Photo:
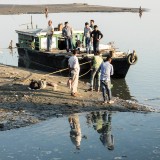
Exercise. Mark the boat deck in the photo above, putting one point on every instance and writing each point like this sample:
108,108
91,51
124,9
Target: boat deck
56,52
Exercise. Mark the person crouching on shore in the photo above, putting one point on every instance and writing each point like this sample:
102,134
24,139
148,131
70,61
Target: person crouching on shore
74,69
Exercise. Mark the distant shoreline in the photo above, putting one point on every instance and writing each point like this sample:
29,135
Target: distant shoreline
7,9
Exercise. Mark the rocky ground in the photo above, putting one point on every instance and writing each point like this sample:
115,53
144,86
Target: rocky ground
20,106
57,8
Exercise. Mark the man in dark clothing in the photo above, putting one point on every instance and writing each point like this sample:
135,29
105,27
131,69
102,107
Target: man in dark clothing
96,36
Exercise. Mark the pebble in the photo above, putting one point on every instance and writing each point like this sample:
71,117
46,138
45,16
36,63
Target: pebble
59,115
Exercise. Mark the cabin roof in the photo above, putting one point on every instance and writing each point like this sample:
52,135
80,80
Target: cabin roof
30,32
39,31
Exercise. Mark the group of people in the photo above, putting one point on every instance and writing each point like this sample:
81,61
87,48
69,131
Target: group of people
91,35
103,70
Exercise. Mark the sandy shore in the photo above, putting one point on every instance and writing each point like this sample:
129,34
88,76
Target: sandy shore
57,8
20,106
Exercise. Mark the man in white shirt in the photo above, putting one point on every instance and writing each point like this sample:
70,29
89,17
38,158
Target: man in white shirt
74,69
50,31
106,69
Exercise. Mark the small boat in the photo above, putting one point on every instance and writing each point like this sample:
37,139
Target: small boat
32,45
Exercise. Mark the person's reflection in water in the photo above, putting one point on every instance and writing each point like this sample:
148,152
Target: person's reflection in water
98,122
75,133
106,136
102,124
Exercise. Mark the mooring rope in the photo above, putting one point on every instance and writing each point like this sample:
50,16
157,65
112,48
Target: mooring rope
68,68
61,70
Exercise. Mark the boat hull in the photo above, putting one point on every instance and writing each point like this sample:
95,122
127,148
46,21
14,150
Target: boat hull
47,61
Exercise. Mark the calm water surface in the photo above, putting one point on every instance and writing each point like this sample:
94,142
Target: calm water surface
133,137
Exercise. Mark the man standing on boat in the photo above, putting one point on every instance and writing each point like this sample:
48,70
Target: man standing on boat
92,24
86,34
106,69
67,34
50,30
96,36
74,69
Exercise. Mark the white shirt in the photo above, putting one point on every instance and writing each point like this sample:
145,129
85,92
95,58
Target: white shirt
74,64
50,30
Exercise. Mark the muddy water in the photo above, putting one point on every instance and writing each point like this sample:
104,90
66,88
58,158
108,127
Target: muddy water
135,136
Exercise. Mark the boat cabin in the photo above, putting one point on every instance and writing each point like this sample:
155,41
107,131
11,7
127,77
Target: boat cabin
36,39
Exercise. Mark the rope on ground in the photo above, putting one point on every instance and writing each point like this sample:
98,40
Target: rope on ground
25,78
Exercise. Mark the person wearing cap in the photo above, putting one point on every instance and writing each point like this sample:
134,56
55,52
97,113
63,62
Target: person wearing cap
106,70
67,34
50,30
86,34
74,70
96,36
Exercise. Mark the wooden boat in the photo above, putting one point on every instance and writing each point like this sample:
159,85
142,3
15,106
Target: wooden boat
32,52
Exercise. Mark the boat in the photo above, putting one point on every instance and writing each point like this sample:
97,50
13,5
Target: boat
32,52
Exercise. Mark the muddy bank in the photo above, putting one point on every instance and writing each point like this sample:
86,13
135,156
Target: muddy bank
20,106
57,8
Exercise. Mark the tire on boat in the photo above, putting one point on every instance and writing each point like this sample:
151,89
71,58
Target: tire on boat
132,59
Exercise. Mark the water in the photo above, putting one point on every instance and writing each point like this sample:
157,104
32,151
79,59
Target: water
51,140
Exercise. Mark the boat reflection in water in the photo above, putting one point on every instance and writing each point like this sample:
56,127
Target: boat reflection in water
101,122
120,89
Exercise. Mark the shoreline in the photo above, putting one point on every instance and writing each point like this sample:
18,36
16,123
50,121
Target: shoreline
6,9
20,107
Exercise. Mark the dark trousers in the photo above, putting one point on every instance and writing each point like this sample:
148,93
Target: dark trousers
95,46
106,89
